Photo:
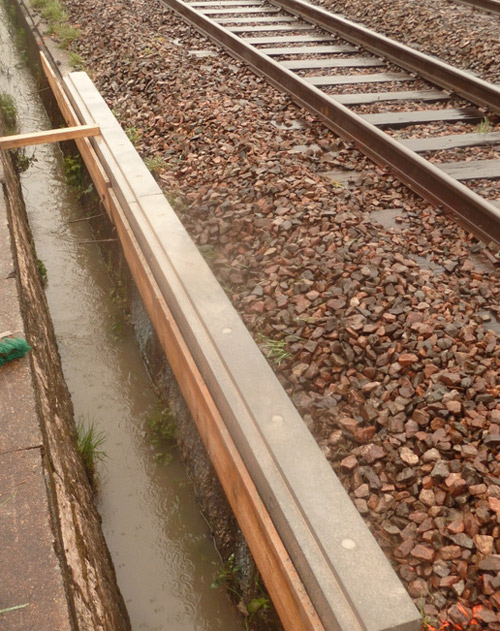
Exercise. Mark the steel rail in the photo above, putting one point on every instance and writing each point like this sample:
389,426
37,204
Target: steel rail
476,214
490,6
438,72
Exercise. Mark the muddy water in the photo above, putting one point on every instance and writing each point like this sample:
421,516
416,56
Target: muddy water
161,547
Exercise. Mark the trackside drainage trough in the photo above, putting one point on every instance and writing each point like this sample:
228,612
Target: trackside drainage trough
161,546
336,576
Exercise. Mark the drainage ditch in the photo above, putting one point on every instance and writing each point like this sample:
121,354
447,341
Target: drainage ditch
161,546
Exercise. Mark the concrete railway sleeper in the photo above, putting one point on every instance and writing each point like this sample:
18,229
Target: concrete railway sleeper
322,566
260,46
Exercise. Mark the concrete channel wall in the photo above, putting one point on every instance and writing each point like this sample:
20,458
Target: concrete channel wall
346,574
55,568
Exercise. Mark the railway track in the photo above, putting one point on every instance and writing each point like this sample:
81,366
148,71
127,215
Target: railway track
345,74
325,517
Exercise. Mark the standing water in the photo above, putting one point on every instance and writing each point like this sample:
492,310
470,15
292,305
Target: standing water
161,547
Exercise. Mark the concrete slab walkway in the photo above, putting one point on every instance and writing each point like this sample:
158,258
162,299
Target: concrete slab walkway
31,574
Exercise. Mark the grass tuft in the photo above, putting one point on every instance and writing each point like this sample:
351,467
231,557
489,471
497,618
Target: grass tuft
155,164
162,430
76,61
54,13
161,425
9,111
485,126
274,350
89,443
73,170
133,134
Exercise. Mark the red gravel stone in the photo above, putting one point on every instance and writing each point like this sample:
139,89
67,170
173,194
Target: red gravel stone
424,553
484,543
448,553
349,463
372,453
407,359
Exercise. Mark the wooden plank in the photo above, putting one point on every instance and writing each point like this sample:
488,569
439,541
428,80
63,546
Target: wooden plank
308,50
377,97
451,141
289,40
278,572
379,77
51,135
401,119
347,62
473,170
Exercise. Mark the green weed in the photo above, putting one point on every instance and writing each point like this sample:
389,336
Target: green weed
73,170
42,270
57,18
21,44
9,112
118,327
155,164
89,443
21,160
53,13
118,294
274,350
427,621
161,425
163,433
133,134
227,577
485,126
66,34
76,61
258,604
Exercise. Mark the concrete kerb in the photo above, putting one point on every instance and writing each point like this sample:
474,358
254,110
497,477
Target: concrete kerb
348,577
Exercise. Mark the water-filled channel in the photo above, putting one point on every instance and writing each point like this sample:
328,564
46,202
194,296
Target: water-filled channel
161,546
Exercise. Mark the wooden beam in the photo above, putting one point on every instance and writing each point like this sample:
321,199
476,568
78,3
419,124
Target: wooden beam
285,587
51,135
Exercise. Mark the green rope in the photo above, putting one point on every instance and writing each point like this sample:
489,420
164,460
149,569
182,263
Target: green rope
12,348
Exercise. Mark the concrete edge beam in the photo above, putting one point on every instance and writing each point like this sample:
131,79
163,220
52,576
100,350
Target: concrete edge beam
347,575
